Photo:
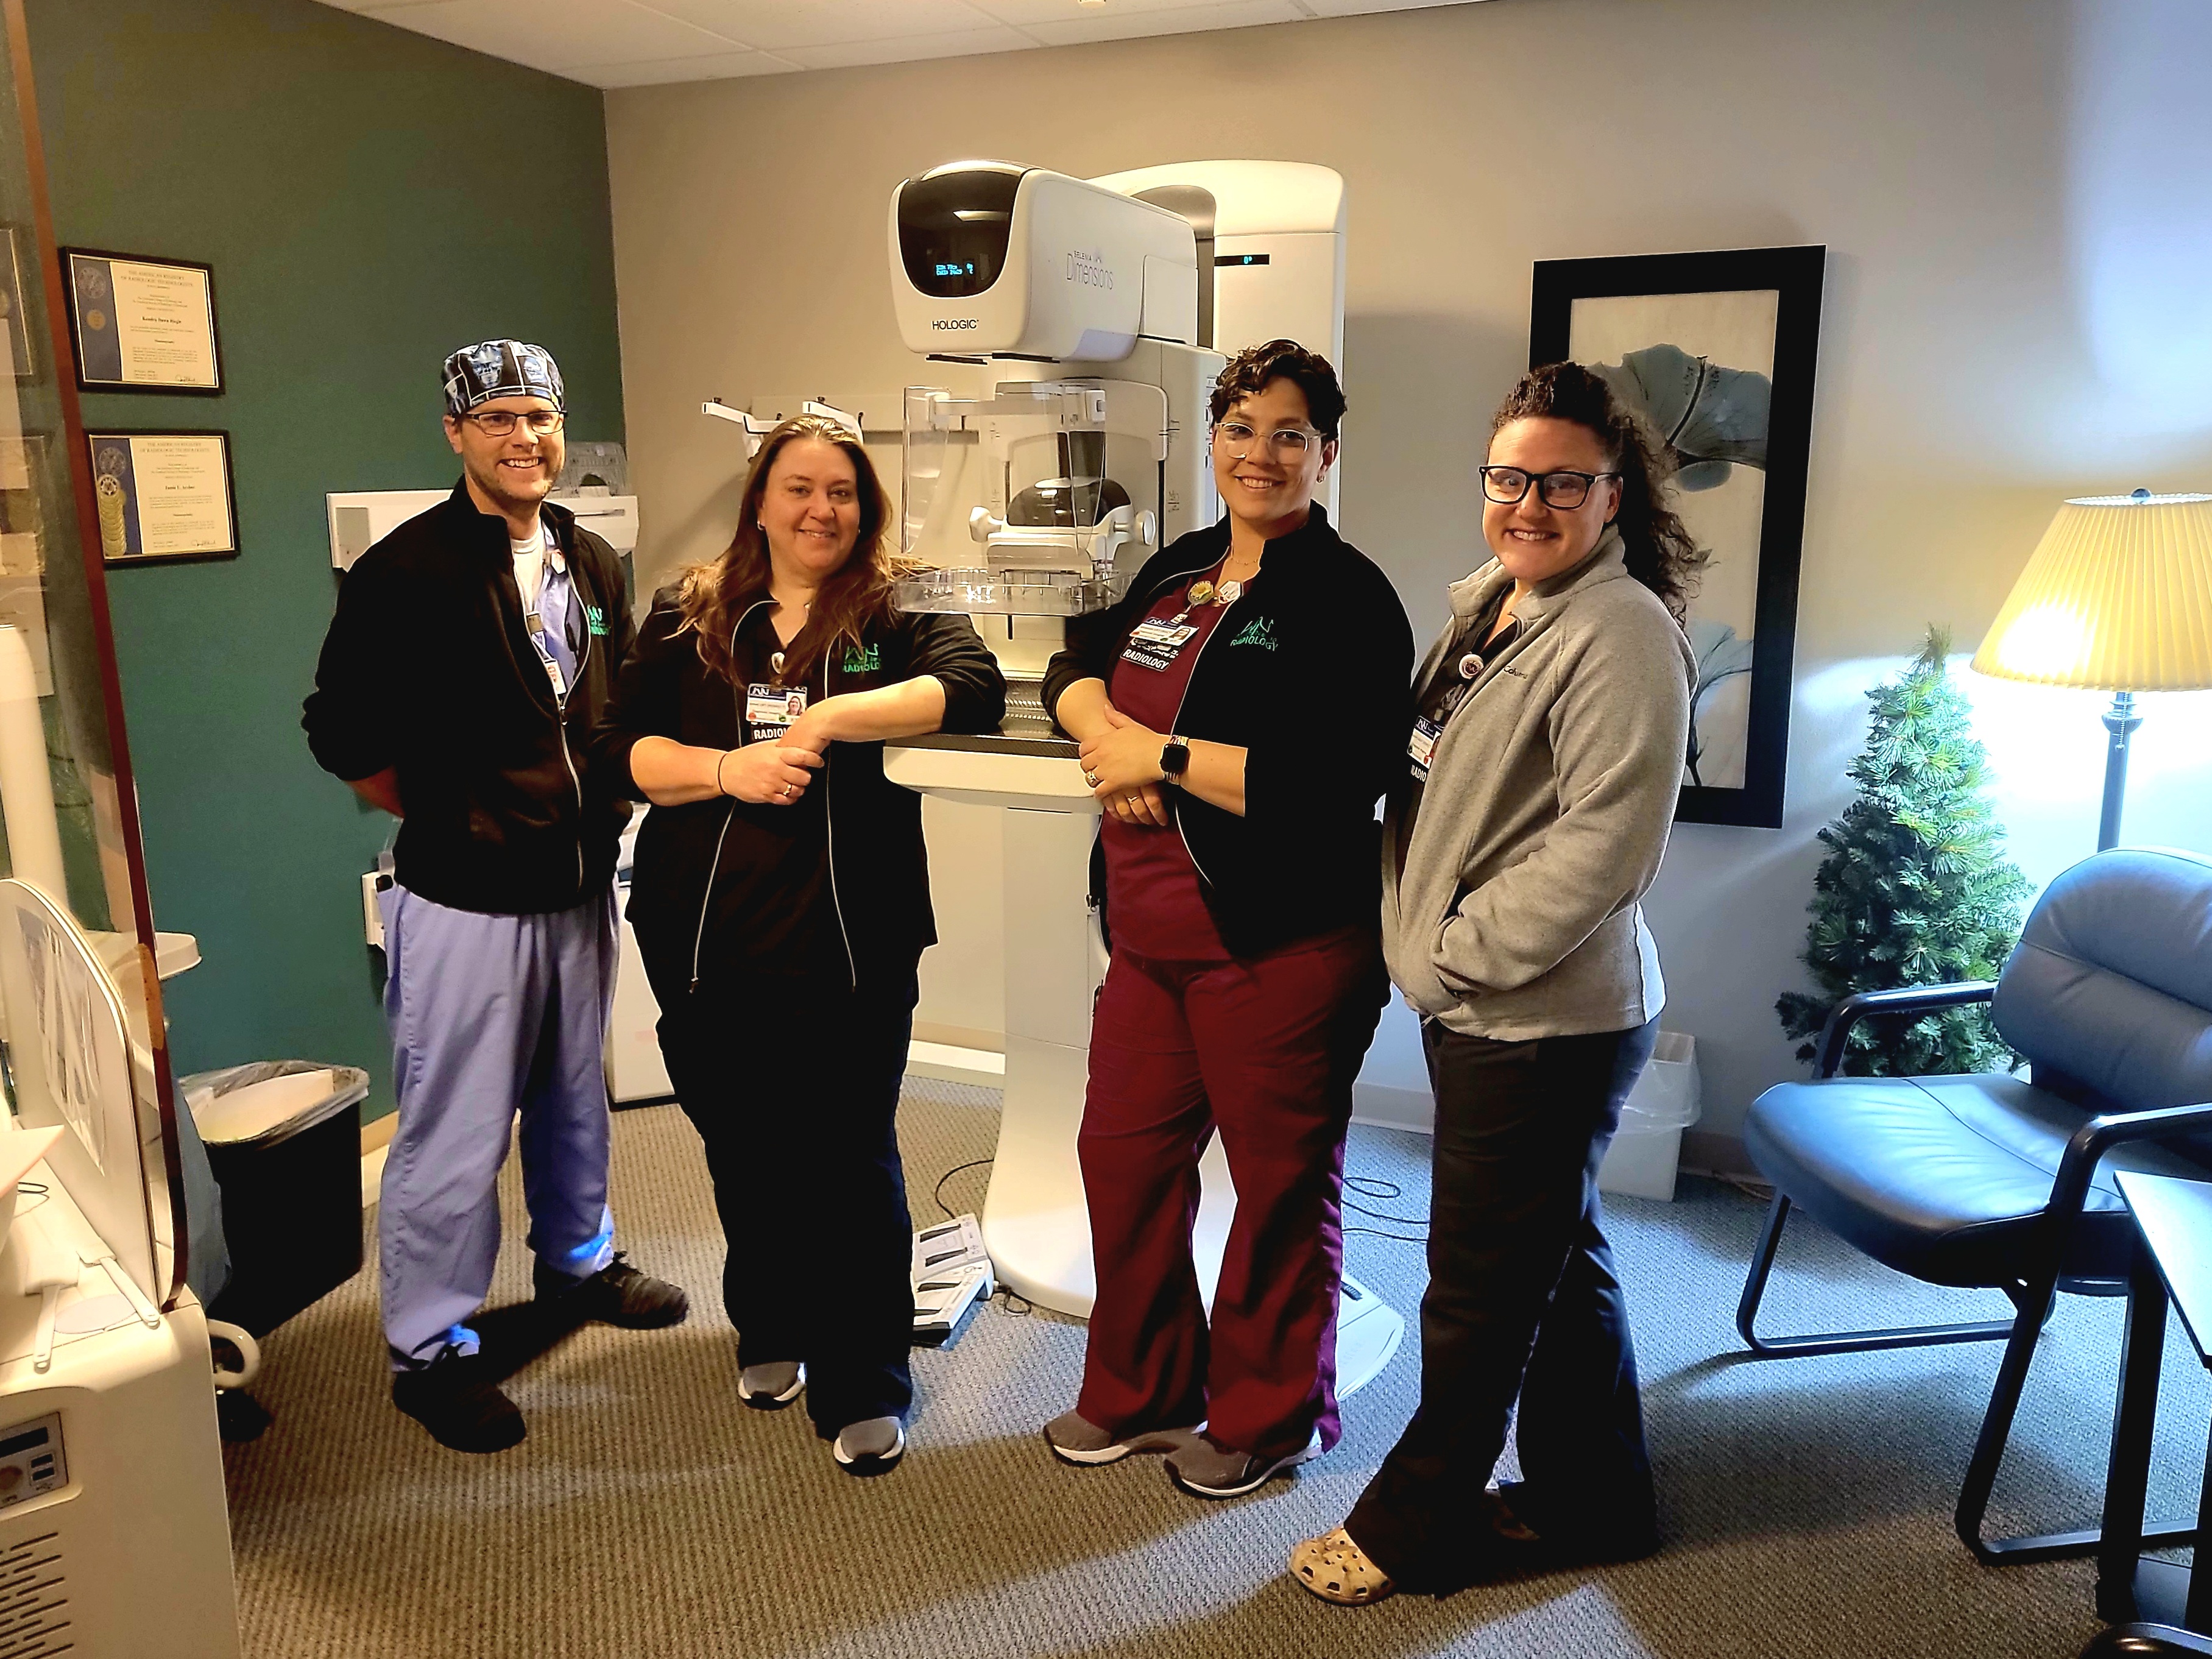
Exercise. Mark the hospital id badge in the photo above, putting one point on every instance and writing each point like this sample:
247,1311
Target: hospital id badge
552,663
772,710
1155,645
1422,745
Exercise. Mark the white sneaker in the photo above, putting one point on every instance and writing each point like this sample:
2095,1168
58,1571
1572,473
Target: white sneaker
870,1447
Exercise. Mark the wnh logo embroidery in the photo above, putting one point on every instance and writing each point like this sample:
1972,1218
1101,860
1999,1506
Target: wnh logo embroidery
1261,631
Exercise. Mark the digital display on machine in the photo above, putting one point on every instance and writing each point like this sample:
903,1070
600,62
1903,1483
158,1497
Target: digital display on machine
24,1442
954,227
1221,260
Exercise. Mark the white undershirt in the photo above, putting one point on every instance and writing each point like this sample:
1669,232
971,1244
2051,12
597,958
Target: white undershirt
530,567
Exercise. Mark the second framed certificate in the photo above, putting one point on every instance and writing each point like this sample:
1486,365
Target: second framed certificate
164,495
141,325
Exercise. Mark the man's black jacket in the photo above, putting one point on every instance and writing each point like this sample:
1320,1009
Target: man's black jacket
427,668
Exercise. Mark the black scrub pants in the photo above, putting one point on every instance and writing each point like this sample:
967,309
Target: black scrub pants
793,1087
1523,1300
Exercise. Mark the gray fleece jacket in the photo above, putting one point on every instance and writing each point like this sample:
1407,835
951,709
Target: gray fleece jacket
1546,812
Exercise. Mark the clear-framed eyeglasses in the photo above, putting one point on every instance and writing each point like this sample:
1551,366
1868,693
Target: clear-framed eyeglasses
1238,440
1509,486
500,422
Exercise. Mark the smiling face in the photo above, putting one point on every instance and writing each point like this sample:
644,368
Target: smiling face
1534,541
510,475
810,511
1270,489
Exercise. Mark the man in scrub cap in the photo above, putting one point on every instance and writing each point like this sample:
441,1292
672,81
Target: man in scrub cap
471,650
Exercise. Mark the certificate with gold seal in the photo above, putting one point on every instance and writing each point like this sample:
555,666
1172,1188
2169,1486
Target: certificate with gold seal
163,495
141,325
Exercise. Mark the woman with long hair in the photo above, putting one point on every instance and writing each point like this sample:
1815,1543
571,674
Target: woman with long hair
1529,816
781,902
1239,713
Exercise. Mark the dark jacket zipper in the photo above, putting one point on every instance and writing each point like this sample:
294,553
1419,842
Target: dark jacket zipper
729,811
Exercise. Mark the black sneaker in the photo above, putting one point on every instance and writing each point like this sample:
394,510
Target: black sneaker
1512,1522
455,1398
618,1294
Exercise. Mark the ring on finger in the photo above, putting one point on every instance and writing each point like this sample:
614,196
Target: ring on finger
1091,778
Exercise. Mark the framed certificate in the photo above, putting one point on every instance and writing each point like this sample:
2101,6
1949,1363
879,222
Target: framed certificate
141,325
164,495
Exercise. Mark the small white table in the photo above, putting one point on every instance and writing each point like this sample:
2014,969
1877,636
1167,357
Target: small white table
1035,1222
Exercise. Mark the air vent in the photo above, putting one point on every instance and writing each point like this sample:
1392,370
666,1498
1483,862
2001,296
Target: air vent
34,1616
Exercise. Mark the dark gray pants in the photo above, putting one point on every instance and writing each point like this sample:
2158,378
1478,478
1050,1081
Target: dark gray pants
1523,1300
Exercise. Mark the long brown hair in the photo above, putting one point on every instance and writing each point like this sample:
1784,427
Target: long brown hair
716,592
1661,552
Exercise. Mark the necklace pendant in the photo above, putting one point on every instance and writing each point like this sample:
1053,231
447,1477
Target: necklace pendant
1230,592
1198,593
775,663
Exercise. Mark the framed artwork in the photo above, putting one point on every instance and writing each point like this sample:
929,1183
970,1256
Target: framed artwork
1718,352
164,495
141,325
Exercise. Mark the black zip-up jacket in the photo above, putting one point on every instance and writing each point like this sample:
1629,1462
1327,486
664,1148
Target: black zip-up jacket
428,667
879,870
1309,672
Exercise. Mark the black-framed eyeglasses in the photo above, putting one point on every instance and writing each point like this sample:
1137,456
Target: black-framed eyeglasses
1509,486
1238,439
500,422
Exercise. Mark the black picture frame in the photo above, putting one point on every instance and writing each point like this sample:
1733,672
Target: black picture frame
74,296
95,437
1794,275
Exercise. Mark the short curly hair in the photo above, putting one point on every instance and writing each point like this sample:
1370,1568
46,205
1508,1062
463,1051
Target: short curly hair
1250,371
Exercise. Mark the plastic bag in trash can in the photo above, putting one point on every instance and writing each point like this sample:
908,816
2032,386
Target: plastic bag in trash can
1665,1096
270,1100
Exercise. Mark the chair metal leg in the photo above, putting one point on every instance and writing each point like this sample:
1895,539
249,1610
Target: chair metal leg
2034,1304
1788,1347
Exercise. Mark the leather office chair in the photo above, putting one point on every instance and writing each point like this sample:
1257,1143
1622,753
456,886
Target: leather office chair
2147,1642
1986,1182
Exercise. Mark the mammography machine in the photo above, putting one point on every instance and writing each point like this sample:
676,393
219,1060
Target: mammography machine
1072,324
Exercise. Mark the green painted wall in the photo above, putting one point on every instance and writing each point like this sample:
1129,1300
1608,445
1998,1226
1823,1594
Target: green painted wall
369,199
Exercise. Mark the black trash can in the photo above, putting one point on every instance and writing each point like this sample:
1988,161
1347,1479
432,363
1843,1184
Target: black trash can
286,1151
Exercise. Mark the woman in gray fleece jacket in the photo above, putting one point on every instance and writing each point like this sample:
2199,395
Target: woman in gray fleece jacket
1541,780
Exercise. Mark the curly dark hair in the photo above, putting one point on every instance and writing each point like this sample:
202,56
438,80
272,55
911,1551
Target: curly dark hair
1248,375
1660,553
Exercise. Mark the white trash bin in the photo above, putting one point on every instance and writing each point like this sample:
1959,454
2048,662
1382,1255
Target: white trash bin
1640,1163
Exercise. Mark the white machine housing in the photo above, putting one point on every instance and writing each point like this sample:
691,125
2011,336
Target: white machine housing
359,518
992,258
1075,444
1270,247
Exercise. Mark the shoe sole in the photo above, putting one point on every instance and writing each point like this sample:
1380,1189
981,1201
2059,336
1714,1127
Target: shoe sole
867,1468
500,1443
1167,1441
774,1402
1290,1460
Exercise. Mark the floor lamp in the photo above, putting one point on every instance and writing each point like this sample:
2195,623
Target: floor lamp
2118,596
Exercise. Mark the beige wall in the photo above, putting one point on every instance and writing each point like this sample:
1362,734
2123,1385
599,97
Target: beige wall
2015,194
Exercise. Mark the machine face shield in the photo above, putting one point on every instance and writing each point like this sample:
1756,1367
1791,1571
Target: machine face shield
955,225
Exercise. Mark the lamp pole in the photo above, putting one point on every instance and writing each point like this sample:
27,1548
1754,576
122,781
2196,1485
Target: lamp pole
2120,721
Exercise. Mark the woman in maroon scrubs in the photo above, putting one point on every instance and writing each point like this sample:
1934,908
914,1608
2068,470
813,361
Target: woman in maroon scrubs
1240,712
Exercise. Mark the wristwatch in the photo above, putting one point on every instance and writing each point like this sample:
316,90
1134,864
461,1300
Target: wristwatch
1175,759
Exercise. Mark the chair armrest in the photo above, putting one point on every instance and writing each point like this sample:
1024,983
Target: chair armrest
1905,1000
2069,1189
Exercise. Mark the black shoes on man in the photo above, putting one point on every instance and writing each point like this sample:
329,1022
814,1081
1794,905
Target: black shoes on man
457,1397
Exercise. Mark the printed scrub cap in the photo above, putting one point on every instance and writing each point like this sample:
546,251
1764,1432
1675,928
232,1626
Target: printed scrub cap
500,368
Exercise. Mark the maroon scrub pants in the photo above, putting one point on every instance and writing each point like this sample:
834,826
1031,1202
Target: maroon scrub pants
1263,1049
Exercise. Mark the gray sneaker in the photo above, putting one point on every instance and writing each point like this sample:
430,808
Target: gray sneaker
771,1387
1206,1468
1075,1440
869,1447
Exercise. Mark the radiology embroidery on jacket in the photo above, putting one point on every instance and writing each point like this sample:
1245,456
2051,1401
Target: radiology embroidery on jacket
1260,631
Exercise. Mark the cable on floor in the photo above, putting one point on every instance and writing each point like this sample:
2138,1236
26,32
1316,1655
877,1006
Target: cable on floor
937,1192
1375,1187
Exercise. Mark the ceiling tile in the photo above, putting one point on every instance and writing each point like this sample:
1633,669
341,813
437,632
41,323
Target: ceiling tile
662,71
1360,8
908,49
559,34
773,25
1024,13
1109,23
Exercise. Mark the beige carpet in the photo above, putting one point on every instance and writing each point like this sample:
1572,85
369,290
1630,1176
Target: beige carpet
1807,1503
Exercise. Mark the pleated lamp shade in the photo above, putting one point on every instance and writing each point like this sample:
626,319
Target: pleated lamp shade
2118,597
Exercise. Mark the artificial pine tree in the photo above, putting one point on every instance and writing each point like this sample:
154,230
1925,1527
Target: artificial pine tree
1916,888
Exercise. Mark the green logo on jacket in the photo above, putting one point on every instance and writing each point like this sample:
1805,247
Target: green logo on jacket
1261,631
862,659
596,619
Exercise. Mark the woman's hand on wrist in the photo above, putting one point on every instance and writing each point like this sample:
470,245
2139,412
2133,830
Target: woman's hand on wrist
765,773
1122,759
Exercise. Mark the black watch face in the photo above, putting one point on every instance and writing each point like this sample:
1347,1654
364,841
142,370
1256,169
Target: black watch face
1173,758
